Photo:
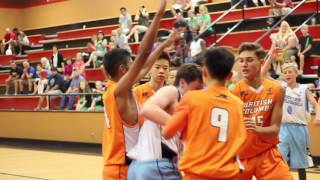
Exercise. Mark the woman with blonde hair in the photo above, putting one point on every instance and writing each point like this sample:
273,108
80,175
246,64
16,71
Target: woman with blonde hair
45,63
285,42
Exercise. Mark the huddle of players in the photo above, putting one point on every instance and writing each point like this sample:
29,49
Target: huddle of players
222,132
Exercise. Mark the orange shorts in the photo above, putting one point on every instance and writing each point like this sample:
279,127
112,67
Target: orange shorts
269,165
192,177
115,172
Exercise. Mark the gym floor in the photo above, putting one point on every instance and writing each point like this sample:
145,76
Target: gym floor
32,160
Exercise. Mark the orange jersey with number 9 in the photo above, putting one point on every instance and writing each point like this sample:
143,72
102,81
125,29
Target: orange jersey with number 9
213,129
258,107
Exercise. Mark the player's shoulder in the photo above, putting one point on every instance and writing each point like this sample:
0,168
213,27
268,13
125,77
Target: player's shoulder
271,83
235,99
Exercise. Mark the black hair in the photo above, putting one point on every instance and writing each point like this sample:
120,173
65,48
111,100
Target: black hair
219,62
189,73
113,59
249,46
165,56
123,8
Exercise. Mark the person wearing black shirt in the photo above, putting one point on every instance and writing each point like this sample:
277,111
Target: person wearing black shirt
14,76
57,59
305,46
55,87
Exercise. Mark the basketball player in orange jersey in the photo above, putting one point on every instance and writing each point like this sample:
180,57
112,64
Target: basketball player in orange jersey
263,99
158,75
121,114
211,123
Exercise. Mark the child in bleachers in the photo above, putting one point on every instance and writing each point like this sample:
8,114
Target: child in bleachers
41,83
97,102
100,50
121,40
305,45
84,101
67,71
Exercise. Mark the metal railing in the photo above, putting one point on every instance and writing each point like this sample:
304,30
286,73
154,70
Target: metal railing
220,18
279,21
49,98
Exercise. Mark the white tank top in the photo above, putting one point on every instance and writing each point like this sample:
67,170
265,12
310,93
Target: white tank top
295,105
148,146
195,47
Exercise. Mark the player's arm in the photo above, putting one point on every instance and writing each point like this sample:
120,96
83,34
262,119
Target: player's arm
267,64
153,108
316,106
178,121
155,55
276,116
124,85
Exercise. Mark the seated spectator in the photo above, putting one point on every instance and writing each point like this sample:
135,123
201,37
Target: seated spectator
142,17
179,6
97,101
193,21
40,84
28,76
57,59
22,41
45,63
73,88
125,20
197,46
14,76
40,69
84,101
259,2
100,51
204,22
280,42
67,71
279,8
121,40
55,87
92,43
305,46
79,63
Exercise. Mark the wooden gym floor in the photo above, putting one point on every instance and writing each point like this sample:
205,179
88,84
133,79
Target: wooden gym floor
20,160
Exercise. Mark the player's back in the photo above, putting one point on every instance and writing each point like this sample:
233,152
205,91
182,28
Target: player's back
214,133
258,107
117,137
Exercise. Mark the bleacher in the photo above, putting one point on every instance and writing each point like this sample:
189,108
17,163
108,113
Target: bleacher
74,37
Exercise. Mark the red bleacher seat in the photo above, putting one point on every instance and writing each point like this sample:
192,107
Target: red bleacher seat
34,39
67,53
3,77
95,75
5,60
86,32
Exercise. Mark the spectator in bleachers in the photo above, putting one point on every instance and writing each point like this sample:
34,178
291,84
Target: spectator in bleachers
100,51
279,8
84,101
41,83
55,86
73,88
305,45
204,22
40,69
142,17
259,2
79,63
9,41
125,20
97,102
92,43
121,40
22,42
28,76
193,21
67,71
197,46
179,6
57,59
14,76
45,63
280,42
